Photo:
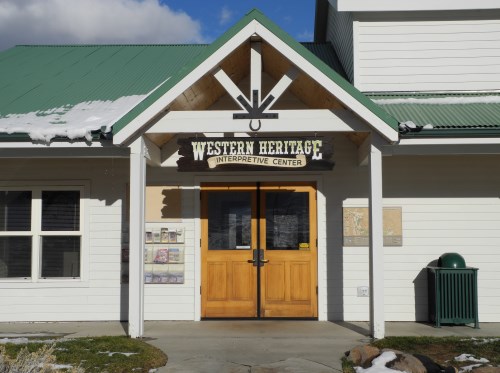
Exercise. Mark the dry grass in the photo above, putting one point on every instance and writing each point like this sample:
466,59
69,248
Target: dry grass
99,354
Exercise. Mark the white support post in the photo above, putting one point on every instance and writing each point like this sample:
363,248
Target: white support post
376,255
136,241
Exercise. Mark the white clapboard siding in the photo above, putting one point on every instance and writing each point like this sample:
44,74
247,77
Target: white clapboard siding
175,301
416,51
405,277
449,204
340,34
98,296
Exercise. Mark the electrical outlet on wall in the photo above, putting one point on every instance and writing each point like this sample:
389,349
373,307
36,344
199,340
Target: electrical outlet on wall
363,291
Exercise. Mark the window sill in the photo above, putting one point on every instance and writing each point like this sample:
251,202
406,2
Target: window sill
43,283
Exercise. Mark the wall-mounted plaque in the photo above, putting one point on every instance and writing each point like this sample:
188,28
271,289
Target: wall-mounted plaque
357,226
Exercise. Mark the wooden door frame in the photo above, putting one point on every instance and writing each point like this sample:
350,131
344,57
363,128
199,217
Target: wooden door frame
258,187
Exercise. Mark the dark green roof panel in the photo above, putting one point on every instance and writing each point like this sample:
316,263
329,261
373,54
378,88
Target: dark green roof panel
443,110
34,78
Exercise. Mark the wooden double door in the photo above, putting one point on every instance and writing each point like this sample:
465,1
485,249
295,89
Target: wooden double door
259,250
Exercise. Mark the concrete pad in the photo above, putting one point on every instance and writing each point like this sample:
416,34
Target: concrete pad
201,364
248,345
293,365
254,343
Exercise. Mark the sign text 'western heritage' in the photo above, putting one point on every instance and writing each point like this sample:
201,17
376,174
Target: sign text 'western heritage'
222,154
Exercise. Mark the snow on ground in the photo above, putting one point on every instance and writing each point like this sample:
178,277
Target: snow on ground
109,353
469,357
23,341
439,100
468,368
71,121
378,364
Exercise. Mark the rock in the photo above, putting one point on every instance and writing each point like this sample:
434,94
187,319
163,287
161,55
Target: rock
362,355
432,367
406,363
487,369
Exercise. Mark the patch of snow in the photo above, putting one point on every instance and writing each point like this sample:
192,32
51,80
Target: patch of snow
24,340
468,368
109,353
378,364
469,357
485,341
439,100
428,126
15,341
71,121
61,366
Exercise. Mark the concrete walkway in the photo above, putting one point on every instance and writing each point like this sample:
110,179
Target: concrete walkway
248,346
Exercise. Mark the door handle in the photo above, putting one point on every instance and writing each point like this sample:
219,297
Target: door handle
251,261
264,261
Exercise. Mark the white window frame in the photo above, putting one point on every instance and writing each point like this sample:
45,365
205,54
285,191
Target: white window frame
36,232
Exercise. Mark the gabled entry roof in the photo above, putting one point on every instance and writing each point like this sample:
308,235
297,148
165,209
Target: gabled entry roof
254,23
84,91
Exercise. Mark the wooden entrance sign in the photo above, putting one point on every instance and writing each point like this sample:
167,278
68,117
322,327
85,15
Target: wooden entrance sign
255,154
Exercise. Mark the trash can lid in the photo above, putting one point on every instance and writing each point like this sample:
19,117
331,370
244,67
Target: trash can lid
451,260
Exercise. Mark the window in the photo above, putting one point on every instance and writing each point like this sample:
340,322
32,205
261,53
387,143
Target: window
40,233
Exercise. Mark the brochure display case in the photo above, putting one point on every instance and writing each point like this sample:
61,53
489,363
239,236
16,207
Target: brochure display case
164,255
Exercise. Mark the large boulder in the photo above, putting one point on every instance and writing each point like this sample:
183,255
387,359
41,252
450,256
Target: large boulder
487,369
362,355
406,363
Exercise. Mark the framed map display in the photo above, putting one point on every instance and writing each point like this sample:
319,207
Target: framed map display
357,226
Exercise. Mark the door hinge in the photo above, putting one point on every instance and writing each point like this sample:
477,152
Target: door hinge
316,243
200,290
316,290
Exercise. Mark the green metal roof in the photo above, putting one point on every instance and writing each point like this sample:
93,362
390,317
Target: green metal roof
444,113
35,78
40,81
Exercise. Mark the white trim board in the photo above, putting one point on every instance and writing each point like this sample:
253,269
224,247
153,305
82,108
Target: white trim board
399,5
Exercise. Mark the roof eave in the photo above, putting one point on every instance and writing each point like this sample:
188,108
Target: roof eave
451,133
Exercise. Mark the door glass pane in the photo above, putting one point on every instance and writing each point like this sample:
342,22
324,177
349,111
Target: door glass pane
61,210
15,211
15,257
229,220
287,220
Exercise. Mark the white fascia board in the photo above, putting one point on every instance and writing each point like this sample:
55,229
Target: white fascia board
289,121
57,144
451,141
410,5
373,120
205,67
447,146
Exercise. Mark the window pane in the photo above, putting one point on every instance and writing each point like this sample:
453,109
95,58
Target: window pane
15,211
60,256
15,257
229,220
287,220
61,210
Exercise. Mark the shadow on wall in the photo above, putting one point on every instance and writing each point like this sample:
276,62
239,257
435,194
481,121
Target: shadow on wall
421,294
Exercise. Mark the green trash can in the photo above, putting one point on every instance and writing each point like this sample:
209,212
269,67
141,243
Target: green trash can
452,292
